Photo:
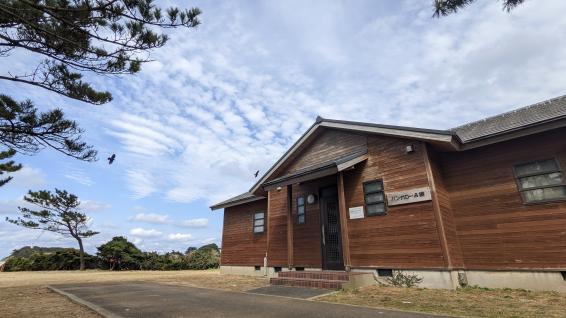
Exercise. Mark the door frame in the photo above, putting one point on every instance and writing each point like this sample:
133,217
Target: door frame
323,219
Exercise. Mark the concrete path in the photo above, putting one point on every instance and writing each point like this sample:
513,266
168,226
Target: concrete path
160,300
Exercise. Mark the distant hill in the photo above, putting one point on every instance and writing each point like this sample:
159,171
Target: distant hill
28,251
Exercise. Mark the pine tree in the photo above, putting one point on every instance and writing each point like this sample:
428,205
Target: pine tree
59,213
446,7
73,37
9,166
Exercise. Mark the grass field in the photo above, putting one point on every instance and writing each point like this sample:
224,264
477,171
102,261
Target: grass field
23,294
467,302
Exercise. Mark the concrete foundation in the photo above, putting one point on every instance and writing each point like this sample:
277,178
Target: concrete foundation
438,279
532,280
434,279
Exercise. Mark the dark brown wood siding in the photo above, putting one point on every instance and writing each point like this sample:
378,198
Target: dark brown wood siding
496,230
407,236
441,199
277,232
331,144
240,246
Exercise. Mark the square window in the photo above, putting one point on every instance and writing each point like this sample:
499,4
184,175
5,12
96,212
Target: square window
258,222
374,198
376,209
258,229
301,210
382,272
540,181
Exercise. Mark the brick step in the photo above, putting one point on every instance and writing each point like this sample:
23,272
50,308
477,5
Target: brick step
307,282
317,275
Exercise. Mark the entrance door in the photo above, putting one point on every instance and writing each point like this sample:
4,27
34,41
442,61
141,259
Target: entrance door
331,240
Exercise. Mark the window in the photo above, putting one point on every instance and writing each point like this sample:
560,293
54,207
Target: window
540,181
382,272
301,210
259,222
374,198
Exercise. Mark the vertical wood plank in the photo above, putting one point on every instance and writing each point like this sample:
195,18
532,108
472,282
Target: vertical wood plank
268,216
289,226
343,222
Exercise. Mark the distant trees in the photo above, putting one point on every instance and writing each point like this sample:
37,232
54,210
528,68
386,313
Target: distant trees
58,212
119,253
190,249
446,7
116,254
44,260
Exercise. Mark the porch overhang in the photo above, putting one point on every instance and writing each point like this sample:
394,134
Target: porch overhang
318,171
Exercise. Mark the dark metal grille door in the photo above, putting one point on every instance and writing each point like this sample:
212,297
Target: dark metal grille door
332,247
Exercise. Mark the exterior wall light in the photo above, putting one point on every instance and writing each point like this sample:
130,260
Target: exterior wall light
311,198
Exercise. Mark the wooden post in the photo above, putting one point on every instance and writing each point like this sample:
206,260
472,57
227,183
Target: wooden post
267,217
436,208
344,223
290,226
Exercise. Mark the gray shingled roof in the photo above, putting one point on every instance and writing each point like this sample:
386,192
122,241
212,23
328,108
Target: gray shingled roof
548,110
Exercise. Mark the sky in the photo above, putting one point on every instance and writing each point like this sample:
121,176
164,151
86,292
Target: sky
229,98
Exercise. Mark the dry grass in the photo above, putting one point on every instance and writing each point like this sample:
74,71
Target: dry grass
209,278
24,294
468,302
35,301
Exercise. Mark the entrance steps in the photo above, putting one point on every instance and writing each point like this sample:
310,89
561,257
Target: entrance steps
323,279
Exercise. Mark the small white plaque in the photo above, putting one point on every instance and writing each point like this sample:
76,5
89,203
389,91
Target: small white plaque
356,212
409,196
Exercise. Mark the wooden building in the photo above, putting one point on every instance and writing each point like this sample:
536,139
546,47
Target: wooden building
481,204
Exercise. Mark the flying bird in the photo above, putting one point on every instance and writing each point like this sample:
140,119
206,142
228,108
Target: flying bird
256,173
111,159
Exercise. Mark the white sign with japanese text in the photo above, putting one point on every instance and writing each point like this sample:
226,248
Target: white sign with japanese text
409,196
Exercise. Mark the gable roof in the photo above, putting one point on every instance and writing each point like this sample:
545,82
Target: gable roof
529,119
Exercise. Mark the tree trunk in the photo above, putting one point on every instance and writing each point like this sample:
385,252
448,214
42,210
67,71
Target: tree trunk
81,253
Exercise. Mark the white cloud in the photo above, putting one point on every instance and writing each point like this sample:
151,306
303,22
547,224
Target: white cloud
208,240
194,223
27,177
93,206
223,102
151,218
141,183
180,237
79,176
144,233
10,206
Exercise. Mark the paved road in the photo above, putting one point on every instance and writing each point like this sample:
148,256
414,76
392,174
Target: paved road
160,300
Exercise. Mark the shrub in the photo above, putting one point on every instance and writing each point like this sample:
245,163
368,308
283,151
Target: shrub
400,279
204,258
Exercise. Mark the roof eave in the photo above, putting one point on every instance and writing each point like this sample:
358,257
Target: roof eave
235,203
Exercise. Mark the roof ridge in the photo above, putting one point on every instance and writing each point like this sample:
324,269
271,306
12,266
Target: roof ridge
550,100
